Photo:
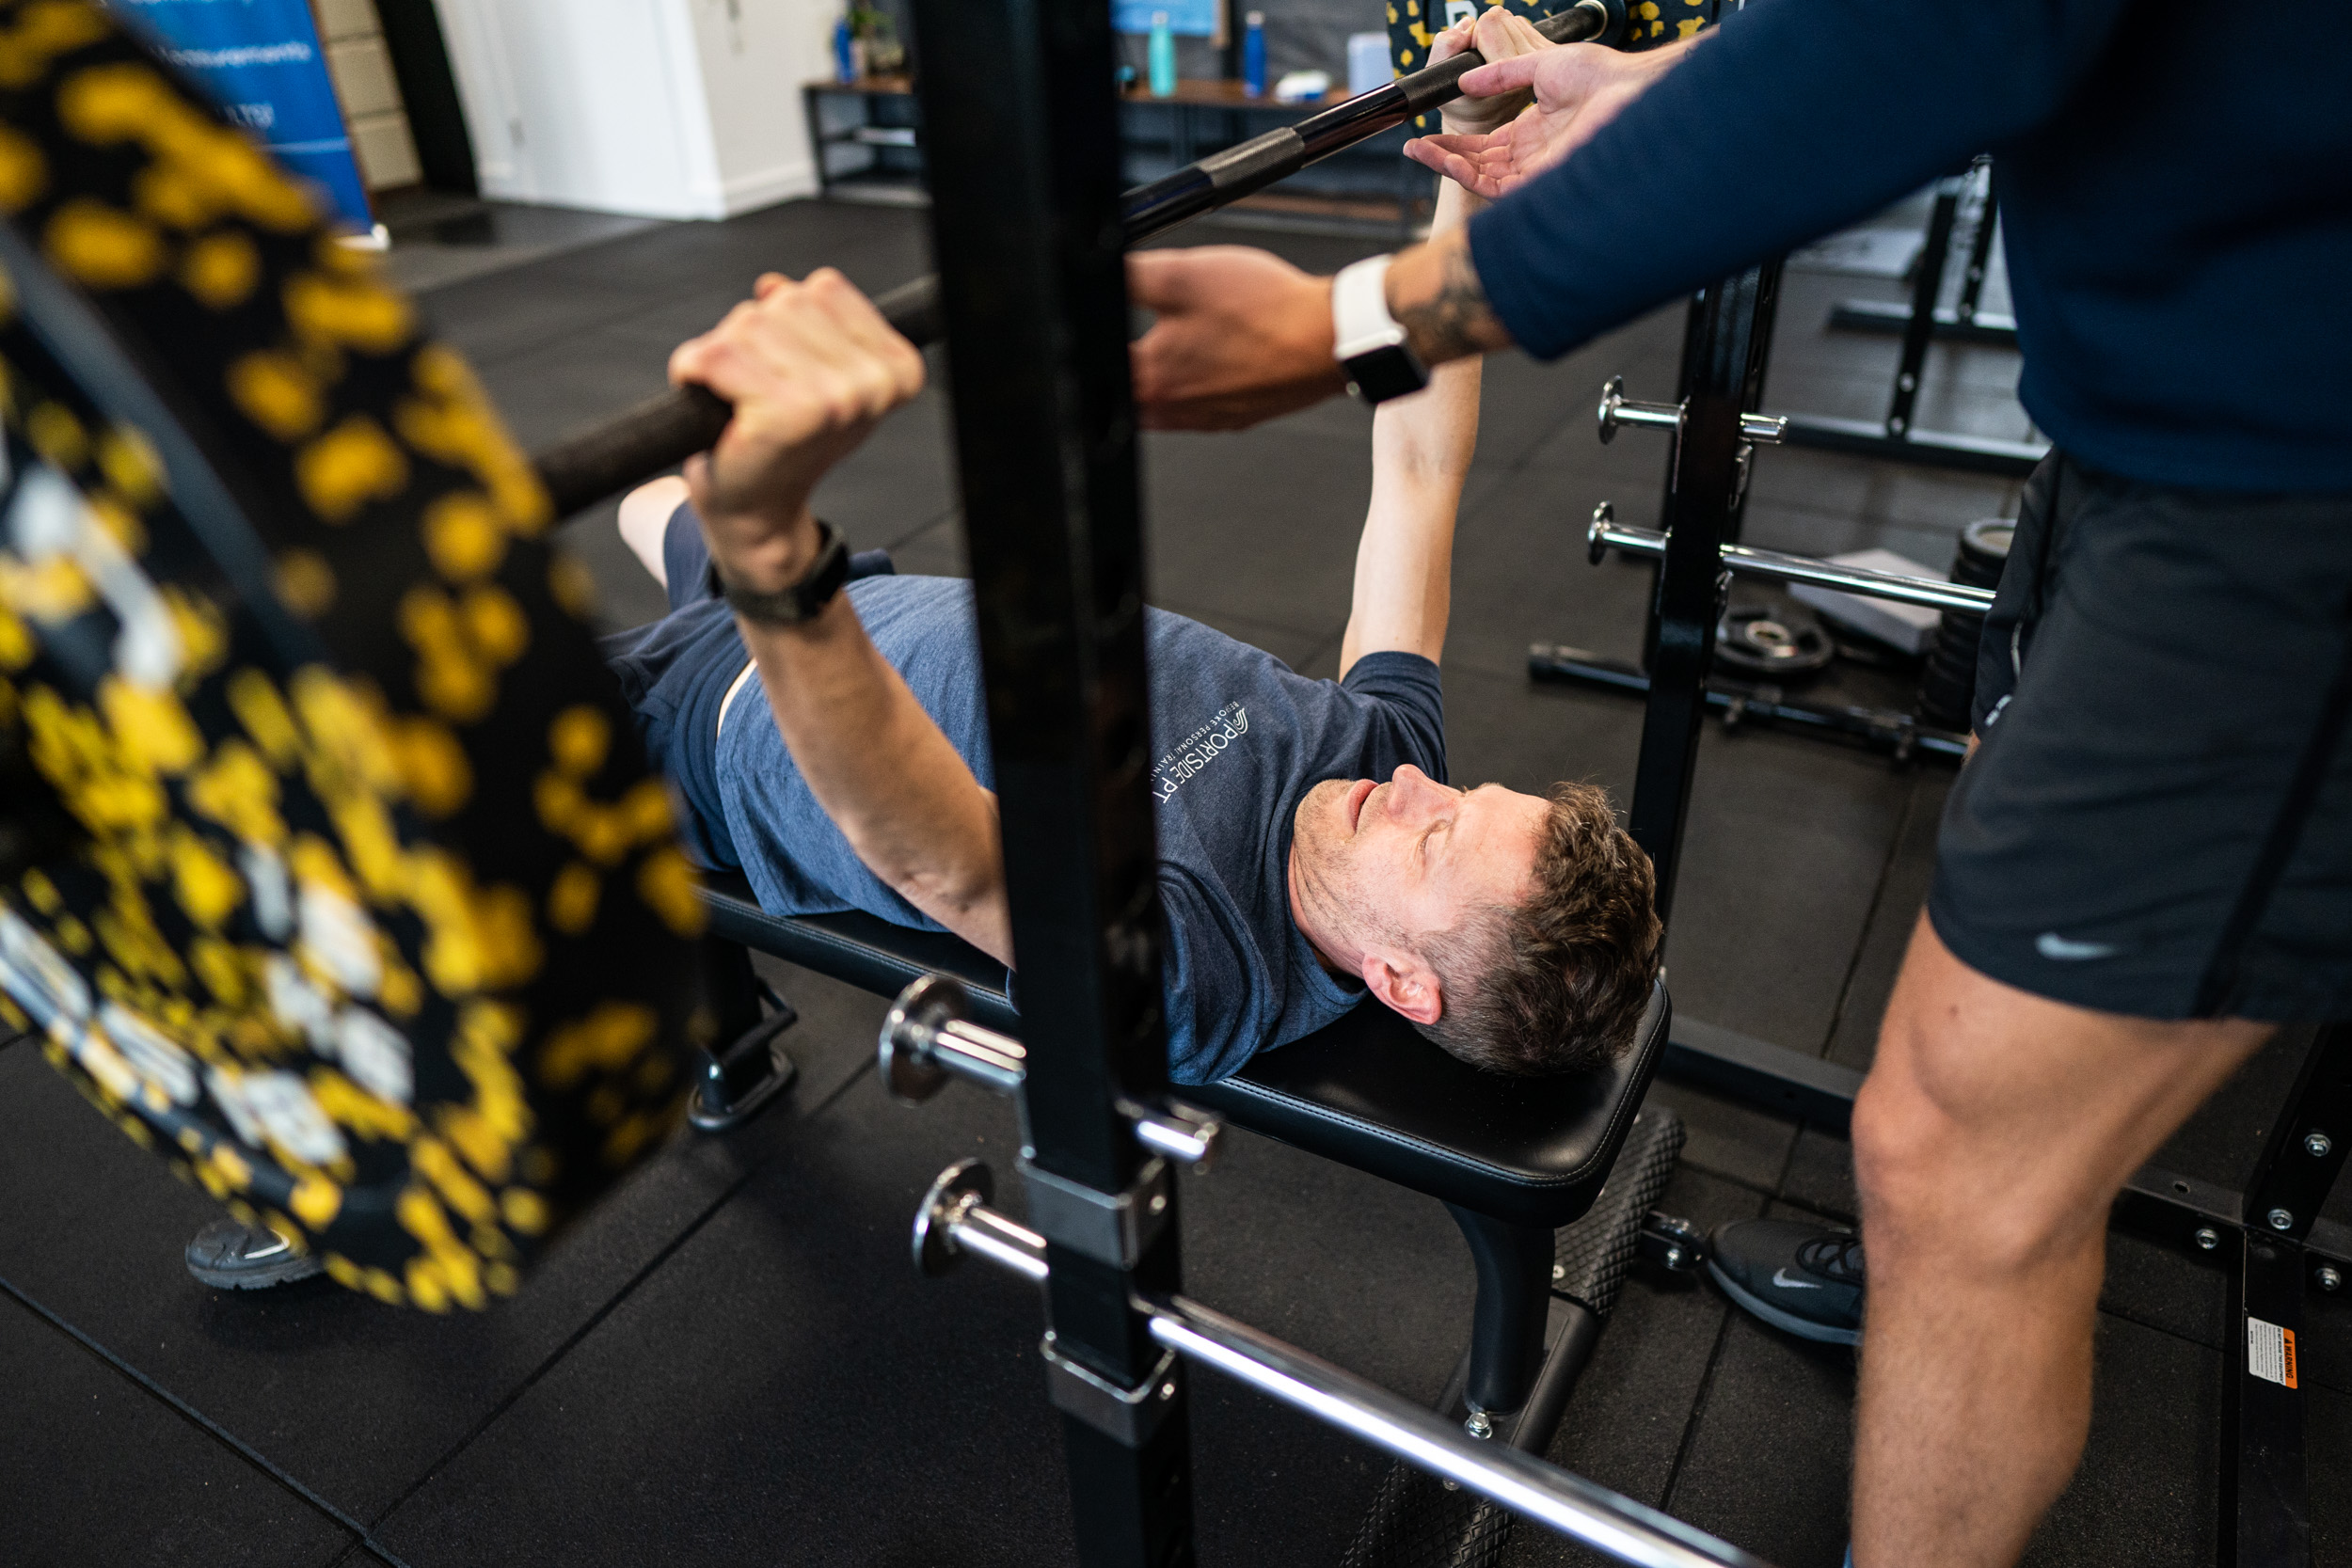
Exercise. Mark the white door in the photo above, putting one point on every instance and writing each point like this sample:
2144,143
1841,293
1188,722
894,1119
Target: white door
592,103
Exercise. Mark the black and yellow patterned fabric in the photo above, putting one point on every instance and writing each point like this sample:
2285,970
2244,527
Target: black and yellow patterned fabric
1649,22
336,875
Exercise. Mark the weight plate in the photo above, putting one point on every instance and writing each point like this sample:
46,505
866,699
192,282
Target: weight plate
337,876
1779,640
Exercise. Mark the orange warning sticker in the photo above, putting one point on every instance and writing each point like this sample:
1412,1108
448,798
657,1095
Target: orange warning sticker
2270,1352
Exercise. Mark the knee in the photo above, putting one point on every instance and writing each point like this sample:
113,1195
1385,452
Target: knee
1905,1162
644,519
1960,1184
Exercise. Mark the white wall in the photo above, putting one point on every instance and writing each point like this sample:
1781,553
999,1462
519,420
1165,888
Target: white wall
664,108
756,55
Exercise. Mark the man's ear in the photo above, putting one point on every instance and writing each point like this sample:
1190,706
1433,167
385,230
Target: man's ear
1403,984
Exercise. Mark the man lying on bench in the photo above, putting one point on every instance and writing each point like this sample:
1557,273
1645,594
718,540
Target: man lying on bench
1312,853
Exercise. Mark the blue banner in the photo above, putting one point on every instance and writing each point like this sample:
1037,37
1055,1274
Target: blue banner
263,63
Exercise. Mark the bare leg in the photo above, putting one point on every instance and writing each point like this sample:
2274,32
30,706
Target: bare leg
646,515
1991,1138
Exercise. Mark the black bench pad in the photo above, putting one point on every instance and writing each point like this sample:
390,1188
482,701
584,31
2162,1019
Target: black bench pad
870,954
1367,1091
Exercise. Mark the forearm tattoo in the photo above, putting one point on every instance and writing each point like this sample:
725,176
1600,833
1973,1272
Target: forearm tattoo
1453,321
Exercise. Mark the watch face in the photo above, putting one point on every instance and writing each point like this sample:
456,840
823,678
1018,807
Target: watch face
1385,373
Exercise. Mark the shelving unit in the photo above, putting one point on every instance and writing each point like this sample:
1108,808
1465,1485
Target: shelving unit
1369,186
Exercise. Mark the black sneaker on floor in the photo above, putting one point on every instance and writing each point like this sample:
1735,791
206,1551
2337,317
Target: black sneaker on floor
232,1256
1803,1278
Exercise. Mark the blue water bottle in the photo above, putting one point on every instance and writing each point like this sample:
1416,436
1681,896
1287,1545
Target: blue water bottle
1163,57
844,56
1253,54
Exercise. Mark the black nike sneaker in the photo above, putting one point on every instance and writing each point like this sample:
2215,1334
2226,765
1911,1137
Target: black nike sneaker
232,1256
1803,1278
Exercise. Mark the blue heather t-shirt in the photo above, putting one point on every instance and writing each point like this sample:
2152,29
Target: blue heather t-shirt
1239,739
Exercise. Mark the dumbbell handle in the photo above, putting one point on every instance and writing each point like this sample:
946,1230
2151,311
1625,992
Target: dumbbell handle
605,458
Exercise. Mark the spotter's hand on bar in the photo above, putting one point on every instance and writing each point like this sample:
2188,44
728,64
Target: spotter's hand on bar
1578,89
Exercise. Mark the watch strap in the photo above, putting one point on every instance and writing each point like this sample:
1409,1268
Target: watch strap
1361,322
799,602
1367,341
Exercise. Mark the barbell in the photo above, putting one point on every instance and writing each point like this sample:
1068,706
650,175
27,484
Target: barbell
331,868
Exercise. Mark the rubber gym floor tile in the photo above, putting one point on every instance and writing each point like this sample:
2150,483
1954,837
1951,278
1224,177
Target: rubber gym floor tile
1522,574
1770,525
1526,405
496,317
1629,471
673,307
2146,1493
1902,893
1625,1422
2164,1289
794,238
1293,647
1359,1271
1835,488
934,550
899,481
833,1044
2220,1143
755,1401
1504,728
1780,869
555,388
2327,1441
1942,404
1261,525
1727,1138
1819,1176
354,1399
95,1470
1766,1461
2324,1348
784,1388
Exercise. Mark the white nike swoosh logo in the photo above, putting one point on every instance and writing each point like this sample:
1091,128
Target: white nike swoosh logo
2051,945
1782,1280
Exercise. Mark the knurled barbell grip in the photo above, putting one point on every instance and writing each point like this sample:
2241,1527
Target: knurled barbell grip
665,430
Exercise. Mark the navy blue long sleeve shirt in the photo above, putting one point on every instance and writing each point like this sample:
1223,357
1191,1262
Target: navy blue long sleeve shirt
2175,187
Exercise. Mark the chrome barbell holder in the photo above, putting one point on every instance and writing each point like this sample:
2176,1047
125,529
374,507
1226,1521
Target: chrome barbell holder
928,1037
1605,534
955,1219
1617,409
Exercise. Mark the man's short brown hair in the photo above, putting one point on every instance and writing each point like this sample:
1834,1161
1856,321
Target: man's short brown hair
1559,984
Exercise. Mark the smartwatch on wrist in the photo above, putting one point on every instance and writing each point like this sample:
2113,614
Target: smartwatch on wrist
1369,344
800,603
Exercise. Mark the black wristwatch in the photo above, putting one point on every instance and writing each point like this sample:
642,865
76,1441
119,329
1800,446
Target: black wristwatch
800,603
1367,341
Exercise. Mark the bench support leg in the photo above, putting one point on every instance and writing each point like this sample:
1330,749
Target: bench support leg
1513,1292
747,1065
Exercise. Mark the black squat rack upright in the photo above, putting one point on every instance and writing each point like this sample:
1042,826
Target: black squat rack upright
2269,1240
1027,224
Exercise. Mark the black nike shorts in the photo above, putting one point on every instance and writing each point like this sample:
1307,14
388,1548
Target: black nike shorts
2158,821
